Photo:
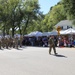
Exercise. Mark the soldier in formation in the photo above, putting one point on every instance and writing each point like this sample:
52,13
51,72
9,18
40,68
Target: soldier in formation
9,42
21,39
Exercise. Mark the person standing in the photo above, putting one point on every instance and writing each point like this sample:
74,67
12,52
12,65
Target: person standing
52,45
16,42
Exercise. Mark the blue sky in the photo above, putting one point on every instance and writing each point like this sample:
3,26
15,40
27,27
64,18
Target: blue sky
46,4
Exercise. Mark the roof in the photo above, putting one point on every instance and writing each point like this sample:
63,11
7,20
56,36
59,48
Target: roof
64,23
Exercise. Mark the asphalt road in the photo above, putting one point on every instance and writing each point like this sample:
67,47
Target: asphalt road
37,61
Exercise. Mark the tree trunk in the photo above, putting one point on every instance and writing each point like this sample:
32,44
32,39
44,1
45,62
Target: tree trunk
7,31
26,24
12,32
19,29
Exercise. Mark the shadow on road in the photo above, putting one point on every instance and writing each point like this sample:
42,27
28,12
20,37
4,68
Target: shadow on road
1,49
58,55
19,49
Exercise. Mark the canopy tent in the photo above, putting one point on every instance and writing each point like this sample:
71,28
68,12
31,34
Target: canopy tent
54,33
68,31
36,34
46,33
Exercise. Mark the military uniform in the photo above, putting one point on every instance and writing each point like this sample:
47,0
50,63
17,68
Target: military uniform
52,45
13,44
21,39
10,42
16,42
6,42
3,42
0,43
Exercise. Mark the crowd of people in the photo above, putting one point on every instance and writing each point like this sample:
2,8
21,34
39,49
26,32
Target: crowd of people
60,41
66,41
41,41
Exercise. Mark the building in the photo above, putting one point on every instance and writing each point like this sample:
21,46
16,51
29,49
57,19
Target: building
65,24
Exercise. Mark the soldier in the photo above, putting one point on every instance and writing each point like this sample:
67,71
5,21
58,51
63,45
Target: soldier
21,39
6,42
0,42
16,41
3,42
52,45
13,39
10,41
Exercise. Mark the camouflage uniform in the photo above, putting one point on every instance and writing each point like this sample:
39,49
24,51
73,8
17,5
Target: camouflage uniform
3,42
16,42
0,43
10,42
52,45
21,39
6,42
13,42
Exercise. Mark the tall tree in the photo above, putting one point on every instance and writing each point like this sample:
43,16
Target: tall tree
8,14
69,8
4,14
36,25
55,15
31,11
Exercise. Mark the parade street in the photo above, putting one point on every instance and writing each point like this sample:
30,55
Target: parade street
37,61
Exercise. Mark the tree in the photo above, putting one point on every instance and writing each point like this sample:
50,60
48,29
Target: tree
8,14
18,14
4,15
31,11
53,17
36,25
69,8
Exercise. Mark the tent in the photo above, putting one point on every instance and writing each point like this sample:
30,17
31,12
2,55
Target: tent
36,34
46,33
68,31
54,33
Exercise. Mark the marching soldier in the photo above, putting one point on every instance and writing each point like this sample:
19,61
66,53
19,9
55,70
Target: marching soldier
16,42
0,42
52,45
13,39
21,39
10,41
6,42
3,42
